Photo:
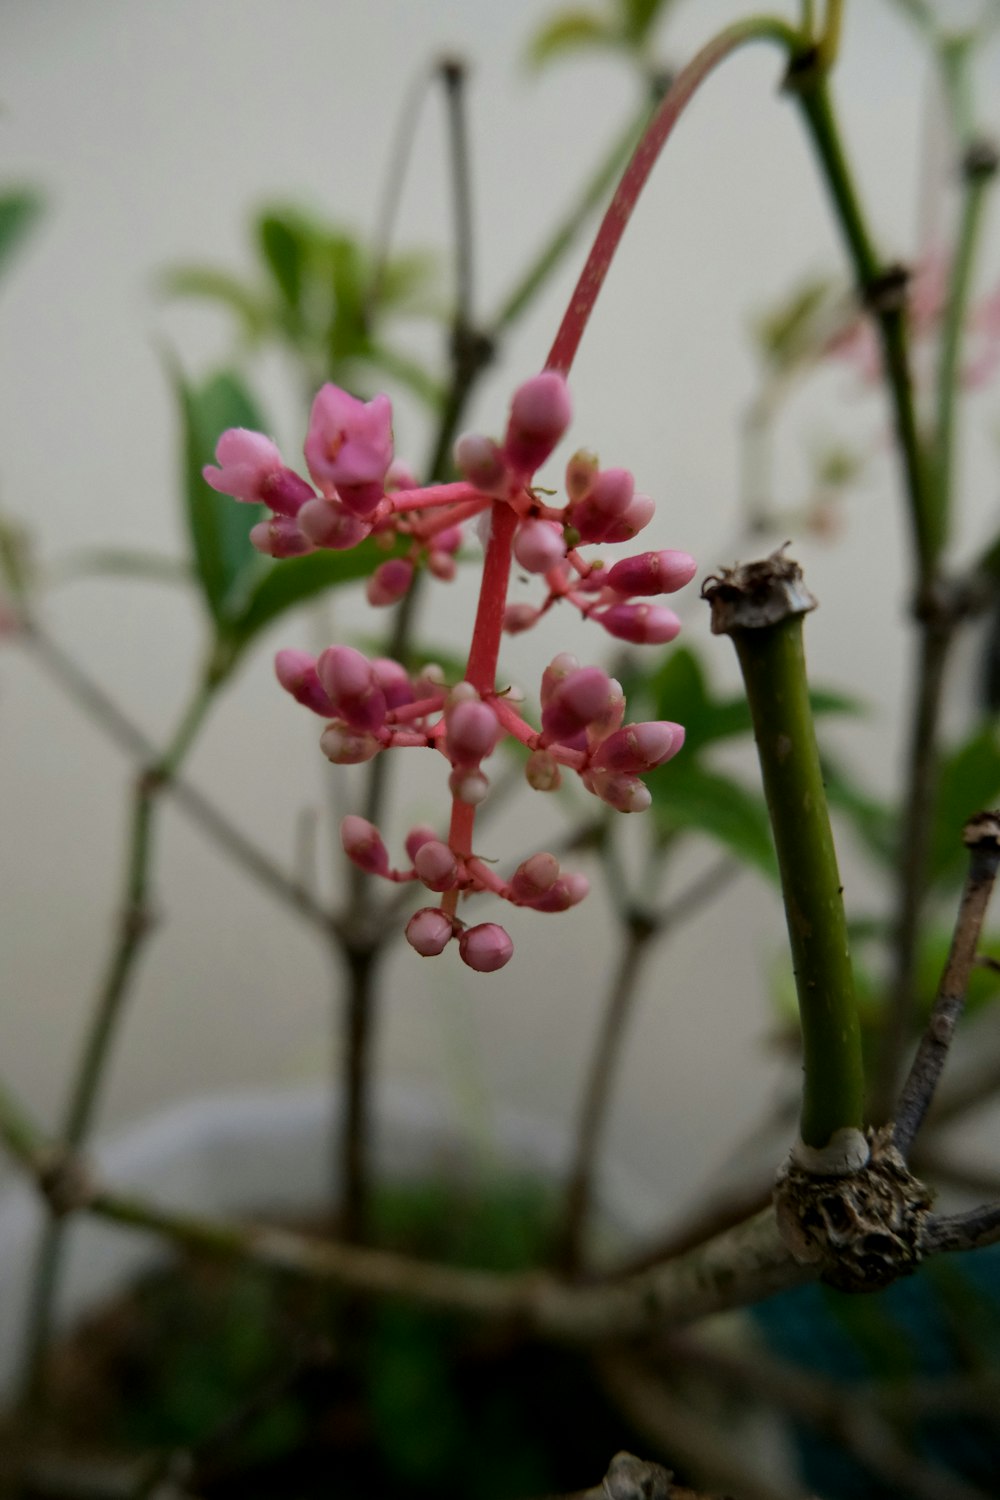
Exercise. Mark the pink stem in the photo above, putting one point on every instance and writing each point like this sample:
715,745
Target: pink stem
431,495
759,28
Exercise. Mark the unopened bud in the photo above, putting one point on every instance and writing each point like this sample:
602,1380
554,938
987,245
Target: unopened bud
642,624
539,545
389,582
470,787
363,845
485,948
639,747
435,865
539,415
534,876
417,837
350,680
578,700
429,931
624,793
279,537
518,617
296,671
635,519
651,573
346,746
480,460
542,771
580,473
565,892
472,732
328,524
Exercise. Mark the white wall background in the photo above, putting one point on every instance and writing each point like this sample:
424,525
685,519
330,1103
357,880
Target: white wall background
153,130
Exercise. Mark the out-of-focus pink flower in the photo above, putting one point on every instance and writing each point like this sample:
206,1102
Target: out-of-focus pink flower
348,447
250,469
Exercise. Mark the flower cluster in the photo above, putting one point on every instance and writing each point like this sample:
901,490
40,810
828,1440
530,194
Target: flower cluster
375,705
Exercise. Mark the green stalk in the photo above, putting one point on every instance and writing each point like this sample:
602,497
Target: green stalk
761,607
883,291
134,926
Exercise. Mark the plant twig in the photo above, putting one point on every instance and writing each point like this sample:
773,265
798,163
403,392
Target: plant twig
981,836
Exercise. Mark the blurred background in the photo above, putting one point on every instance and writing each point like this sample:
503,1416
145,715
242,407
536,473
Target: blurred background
154,134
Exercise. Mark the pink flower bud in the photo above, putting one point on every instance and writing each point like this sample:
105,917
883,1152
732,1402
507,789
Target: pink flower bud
429,931
518,617
579,699
567,891
534,876
389,582
539,545
485,948
348,447
539,415
394,680
328,524
279,537
400,477
252,471
480,460
639,747
635,519
363,845
542,772
473,730
642,624
435,865
603,506
351,683
470,787
580,473
296,671
448,540
624,793
559,667
417,837
651,573
442,565
346,746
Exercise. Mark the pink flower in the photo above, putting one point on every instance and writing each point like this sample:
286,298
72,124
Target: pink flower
252,471
348,447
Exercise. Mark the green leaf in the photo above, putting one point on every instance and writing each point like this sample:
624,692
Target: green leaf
219,527
283,241
569,32
794,329
689,798
639,17
20,208
120,562
220,287
277,587
969,781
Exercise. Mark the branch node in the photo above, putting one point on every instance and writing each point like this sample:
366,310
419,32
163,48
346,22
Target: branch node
980,160
886,292
864,1230
64,1180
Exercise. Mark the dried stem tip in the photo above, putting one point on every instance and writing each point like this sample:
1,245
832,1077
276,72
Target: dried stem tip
753,596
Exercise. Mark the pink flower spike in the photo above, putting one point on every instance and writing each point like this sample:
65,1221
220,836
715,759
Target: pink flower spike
639,747
435,865
485,948
348,447
279,537
347,747
539,415
296,671
651,573
473,731
328,524
429,931
642,624
539,545
363,845
389,582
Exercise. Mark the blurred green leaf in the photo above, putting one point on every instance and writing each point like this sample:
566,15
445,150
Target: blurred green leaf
873,822
640,16
225,290
20,209
283,242
688,797
219,527
120,562
273,588
969,781
796,328
568,31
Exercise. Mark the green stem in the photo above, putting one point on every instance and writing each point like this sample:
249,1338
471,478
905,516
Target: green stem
761,607
882,289
949,362
134,926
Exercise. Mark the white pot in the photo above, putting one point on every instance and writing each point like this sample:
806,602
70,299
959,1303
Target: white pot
259,1152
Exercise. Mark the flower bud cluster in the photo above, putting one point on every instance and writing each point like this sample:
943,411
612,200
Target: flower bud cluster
372,705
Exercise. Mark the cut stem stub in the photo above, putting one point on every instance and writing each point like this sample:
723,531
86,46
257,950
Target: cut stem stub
761,605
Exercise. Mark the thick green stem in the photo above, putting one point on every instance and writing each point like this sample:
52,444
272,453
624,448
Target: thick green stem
761,607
